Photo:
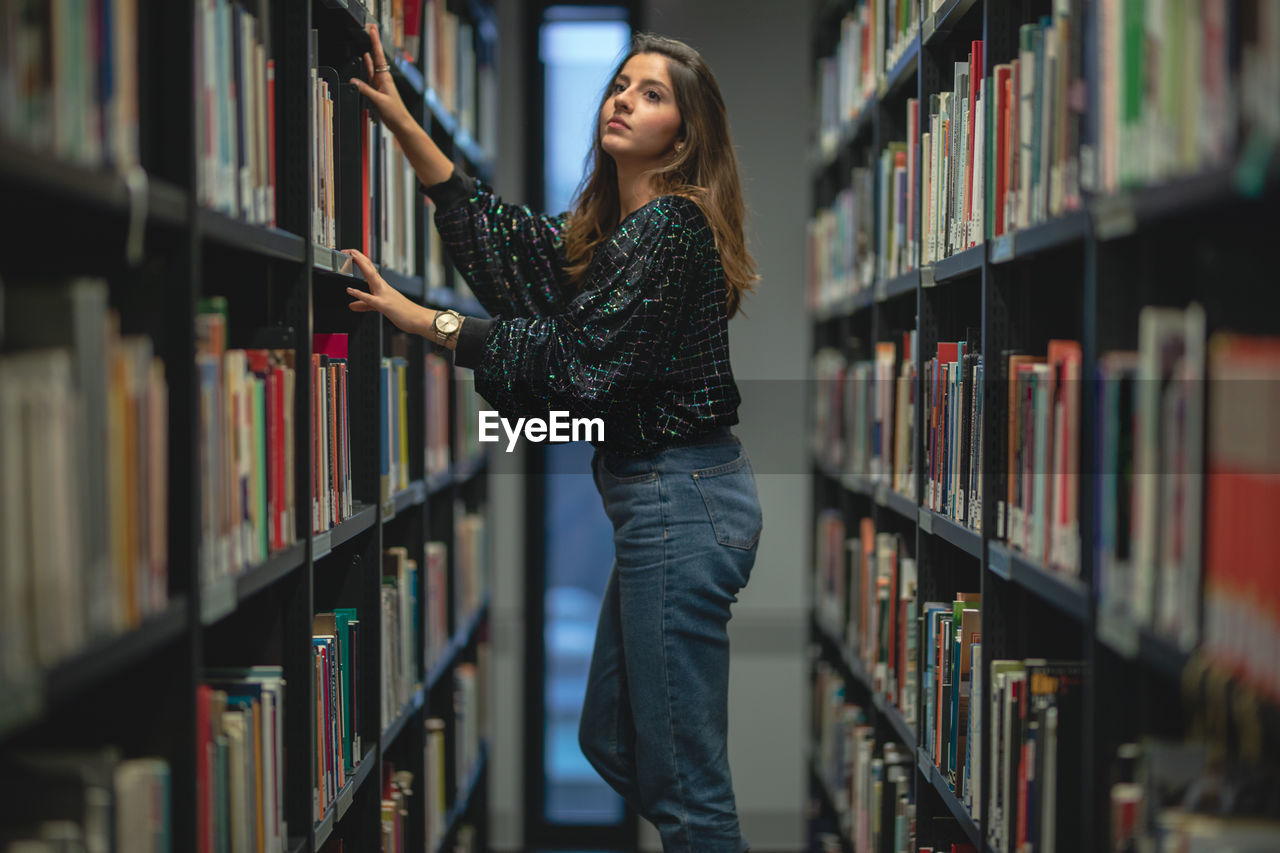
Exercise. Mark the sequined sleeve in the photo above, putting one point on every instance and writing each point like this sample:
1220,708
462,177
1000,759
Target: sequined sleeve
613,339
512,257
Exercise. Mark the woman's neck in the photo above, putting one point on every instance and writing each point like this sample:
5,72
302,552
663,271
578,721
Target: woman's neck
635,190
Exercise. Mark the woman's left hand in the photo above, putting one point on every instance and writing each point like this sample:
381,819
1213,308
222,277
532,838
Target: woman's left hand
385,299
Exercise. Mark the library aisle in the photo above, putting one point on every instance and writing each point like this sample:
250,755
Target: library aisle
1010,387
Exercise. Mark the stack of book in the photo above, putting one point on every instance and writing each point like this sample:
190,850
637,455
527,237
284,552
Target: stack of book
335,641
952,153
899,176
841,244
461,71
331,500
400,673
246,448
1241,586
471,562
240,759
952,638
830,573
1151,489
1180,796
434,795
398,193
467,729
848,78
902,25
865,413
393,400
1039,510
952,411
438,451
1183,87
324,167
1033,124
437,594
829,371
1036,710
869,782
396,791
235,110
86,799
84,475
882,602
72,84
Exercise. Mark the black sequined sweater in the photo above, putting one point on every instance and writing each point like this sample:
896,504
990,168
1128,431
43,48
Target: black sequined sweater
644,346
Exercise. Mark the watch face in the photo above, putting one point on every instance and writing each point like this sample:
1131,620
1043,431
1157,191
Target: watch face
446,324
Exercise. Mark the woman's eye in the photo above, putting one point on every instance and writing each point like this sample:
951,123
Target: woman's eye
654,93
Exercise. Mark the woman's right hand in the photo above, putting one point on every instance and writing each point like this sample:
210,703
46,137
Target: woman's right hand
381,89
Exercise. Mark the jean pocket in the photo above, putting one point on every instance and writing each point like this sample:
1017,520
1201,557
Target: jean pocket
729,491
623,470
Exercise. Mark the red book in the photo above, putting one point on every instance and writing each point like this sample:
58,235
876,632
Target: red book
976,73
1001,142
332,345
204,782
1241,584
1065,358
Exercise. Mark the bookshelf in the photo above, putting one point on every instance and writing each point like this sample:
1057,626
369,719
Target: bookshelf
139,230
935,368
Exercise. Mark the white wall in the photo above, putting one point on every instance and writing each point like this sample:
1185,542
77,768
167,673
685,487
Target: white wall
758,51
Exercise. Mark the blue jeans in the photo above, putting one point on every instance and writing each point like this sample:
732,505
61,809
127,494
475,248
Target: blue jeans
655,717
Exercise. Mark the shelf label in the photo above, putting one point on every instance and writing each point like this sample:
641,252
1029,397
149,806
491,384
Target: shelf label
1113,216
217,599
388,509
998,560
321,544
926,276
1002,249
926,521
882,497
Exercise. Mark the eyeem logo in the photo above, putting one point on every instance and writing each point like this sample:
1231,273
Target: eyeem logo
558,428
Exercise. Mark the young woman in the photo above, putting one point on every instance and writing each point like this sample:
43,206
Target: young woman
620,311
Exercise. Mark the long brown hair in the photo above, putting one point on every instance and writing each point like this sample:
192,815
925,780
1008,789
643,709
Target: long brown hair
704,170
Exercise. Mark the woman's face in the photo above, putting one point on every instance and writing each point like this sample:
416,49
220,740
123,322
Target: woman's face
639,121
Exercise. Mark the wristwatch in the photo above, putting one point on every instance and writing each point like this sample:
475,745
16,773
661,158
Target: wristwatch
446,325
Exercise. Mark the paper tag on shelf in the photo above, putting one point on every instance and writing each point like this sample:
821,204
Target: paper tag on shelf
1113,216
388,509
1002,249
926,520
217,599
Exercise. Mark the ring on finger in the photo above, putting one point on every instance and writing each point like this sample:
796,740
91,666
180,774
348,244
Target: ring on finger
381,68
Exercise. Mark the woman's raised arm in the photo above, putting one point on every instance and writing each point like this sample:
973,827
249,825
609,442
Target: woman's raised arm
428,161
